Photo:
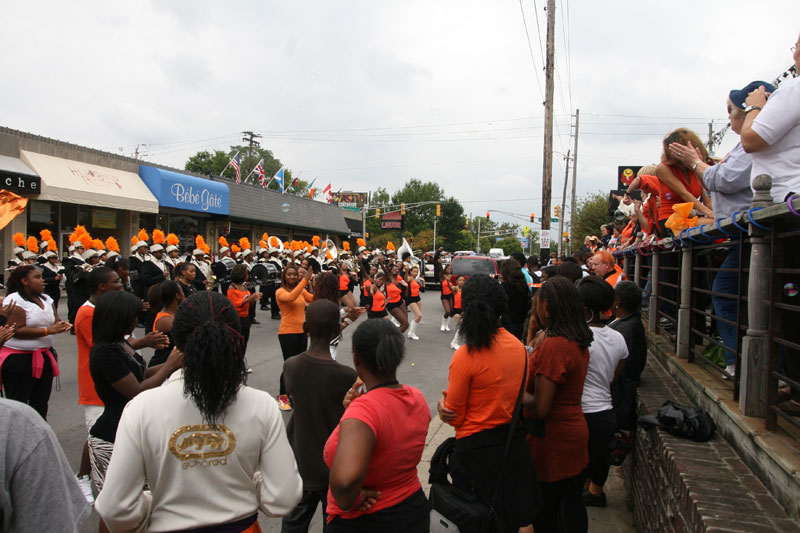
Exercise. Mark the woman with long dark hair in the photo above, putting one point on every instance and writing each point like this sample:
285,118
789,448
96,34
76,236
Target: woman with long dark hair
292,299
213,450
484,381
607,355
446,296
28,361
375,449
555,384
396,287
184,275
242,299
326,287
164,300
519,297
377,307
118,373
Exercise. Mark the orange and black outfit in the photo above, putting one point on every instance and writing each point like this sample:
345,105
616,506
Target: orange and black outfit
366,294
160,355
456,303
237,297
394,294
345,284
377,307
413,292
291,337
447,290
612,278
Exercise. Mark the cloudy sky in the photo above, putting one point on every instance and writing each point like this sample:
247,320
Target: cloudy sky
371,93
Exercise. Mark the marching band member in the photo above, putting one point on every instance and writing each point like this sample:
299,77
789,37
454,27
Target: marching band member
315,260
155,269
413,300
136,261
74,261
202,269
275,259
53,274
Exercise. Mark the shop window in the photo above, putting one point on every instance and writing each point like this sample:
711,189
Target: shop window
69,217
187,229
42,215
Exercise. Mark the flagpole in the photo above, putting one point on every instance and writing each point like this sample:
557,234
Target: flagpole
229,163
308,187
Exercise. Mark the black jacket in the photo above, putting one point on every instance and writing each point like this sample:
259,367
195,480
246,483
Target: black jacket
623,391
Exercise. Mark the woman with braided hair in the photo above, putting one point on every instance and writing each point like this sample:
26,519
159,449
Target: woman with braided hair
213,450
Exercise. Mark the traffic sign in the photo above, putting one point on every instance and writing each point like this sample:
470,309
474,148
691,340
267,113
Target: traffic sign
545,239
554,219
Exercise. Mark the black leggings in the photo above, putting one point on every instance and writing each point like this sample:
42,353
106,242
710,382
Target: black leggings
411,515
291,344
602,426
20,385
562,507
244,325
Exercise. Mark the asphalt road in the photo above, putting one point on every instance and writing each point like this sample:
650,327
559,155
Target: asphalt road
425,367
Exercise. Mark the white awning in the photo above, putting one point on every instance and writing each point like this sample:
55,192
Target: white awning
65,180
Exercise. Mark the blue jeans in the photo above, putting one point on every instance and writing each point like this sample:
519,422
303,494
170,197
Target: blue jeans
300,518
728,308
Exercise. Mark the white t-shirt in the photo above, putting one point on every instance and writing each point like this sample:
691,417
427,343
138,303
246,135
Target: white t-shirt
779,125
35,317
606,351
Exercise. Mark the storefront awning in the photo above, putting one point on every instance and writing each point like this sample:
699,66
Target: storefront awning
74,182
181,191
16,176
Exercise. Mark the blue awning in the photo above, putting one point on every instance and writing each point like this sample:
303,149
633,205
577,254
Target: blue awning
181,191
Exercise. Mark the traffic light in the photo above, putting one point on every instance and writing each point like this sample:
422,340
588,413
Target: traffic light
402,209
488,215
566,236
377,212
557,210
438,210
366,235
532,218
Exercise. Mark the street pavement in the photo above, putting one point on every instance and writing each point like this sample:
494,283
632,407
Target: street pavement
425,366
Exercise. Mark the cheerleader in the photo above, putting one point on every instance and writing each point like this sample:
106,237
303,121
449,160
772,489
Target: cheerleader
413,301
456,312
346,287
377,308
366,288
446,297
396,287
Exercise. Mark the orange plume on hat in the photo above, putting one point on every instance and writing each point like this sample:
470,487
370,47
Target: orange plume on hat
274,241
390,245
206,249
19,240
235,249
159,237
51,245
76,234
308,248
200,242
112,244
134,240
328,255
361,242
315,240
33,244
244,242
86,240
97,244
346,246
143,236
262,244
46,234
265,237
172,240
223,242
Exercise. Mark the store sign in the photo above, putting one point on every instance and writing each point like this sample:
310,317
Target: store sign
545,239
625,175
351,201
104,218
13,181
392,220
182,191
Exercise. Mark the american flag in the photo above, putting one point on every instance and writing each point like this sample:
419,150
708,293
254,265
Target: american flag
235,164
261,173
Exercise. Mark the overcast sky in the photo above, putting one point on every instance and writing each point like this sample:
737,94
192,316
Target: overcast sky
372,93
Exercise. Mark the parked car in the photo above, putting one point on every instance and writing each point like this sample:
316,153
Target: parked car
469,265
497,253
430,279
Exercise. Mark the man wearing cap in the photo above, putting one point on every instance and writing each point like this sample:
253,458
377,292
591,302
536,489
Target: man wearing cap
136,260
79,275
155,269
16,261
52,273
315,261
172,256
74,261
202,270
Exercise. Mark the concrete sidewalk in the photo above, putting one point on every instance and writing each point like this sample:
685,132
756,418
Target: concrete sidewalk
616,517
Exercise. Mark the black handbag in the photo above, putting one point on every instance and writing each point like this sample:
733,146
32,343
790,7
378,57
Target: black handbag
456,510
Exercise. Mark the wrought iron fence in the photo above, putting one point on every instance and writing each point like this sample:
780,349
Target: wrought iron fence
729,293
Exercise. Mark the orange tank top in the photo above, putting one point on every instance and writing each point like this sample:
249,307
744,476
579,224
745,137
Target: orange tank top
159,316
457,300
378,301
394,293
446,290
668,197
414,288
344,282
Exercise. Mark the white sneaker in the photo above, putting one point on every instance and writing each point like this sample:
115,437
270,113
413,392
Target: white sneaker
411,334
730,370
85,483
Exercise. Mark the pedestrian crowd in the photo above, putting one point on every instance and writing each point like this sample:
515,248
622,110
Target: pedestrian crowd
181,443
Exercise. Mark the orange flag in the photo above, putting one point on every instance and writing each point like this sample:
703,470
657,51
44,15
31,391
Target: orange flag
11,205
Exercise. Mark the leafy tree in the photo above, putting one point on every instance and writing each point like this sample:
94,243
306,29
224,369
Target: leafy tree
590,214
209,164
509,245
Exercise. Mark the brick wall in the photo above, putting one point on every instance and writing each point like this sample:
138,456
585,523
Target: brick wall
679,485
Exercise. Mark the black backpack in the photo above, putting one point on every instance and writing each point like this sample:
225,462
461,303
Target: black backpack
683,421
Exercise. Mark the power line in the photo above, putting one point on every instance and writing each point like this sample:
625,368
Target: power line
530,48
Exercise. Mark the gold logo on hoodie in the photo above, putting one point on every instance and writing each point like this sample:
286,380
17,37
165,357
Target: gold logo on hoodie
201,442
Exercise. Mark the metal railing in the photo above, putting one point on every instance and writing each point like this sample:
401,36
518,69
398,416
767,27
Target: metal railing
732,286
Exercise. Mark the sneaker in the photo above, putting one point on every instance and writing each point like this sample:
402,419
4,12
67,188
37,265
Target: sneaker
413,336
249,370
255,322
283,402
85,483
591,500
730,370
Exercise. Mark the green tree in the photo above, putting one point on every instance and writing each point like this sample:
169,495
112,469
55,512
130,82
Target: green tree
591,213
509,245
207,163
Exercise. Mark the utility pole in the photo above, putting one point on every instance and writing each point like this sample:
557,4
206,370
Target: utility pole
478,238
574,177
563,213
710,144
434,232
250,138
547,171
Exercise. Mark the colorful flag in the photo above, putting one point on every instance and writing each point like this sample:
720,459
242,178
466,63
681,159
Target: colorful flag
308,187
261,174
235,164
11,205
326,192
279,178
311,192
